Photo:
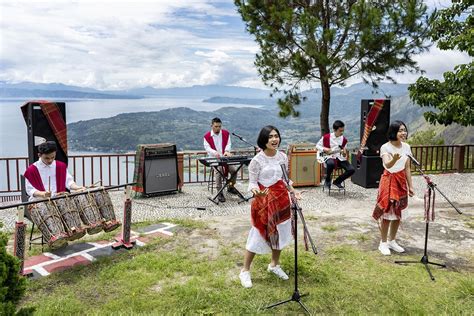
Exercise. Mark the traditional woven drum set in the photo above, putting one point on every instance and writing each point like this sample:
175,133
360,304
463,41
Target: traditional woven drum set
71,217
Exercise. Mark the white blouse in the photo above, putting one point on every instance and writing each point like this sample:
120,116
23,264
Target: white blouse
266,170
389,149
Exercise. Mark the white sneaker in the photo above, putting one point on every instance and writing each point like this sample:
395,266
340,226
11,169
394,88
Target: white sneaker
392,244
278,271
245,279
384,248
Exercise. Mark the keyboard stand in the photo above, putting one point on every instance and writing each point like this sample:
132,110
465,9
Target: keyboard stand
226,184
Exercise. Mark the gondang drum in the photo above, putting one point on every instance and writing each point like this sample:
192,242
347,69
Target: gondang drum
46,216
89,212
106,208
72,220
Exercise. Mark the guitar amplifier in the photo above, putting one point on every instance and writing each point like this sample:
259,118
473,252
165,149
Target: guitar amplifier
160,169
304,170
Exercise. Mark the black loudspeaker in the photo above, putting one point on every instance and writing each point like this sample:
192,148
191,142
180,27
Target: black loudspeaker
369,172
378,136
37,125
160,170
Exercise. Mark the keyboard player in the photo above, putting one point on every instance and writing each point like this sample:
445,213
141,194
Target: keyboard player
217,143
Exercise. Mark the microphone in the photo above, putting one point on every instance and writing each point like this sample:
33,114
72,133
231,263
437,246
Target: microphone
414,160
285,173
236,135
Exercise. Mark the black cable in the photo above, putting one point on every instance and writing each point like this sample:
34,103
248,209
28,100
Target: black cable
200,208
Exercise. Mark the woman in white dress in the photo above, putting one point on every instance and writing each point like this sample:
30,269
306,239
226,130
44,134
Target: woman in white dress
395,186
270,211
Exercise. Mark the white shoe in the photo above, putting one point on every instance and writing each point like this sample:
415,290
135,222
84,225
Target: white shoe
245,279
278,271
392,244
384,248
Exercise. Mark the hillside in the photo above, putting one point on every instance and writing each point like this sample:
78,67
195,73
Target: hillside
182,126
185,127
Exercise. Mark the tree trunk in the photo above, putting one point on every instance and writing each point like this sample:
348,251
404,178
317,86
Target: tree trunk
325,100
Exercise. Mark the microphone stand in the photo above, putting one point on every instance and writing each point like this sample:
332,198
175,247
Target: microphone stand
251,145
431,186
296,296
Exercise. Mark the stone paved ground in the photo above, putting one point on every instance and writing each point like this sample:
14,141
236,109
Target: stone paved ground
331,219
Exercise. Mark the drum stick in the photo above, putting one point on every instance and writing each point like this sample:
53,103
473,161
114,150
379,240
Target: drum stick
49,184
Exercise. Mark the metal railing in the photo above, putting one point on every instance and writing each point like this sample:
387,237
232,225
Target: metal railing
195,172
117,169
109,169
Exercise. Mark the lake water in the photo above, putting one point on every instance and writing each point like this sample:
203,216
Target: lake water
13,132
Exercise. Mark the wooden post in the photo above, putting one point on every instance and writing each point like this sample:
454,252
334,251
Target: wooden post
459,154
124,240
180,170
20,237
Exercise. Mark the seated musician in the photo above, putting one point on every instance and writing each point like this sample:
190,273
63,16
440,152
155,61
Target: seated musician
47,176
334,145
218,144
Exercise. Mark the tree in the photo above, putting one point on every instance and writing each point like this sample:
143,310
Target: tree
454,97
427,137
12,285
331,41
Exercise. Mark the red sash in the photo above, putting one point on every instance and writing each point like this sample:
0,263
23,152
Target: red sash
225,140
33,175
327,144
327,141
392,195
269,211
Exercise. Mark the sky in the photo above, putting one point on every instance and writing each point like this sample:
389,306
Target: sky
118,44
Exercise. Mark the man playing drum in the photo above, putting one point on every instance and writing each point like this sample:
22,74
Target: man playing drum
47,177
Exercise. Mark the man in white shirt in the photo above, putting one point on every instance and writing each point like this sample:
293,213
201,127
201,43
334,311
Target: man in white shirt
47,177
334,145
218,144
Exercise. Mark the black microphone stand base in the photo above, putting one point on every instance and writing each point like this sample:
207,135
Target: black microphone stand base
296,297
425,261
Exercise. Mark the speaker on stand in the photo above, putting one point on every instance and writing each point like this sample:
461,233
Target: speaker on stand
38,126
368,173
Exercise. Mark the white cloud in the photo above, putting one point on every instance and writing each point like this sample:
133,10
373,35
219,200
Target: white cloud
125,44
120,44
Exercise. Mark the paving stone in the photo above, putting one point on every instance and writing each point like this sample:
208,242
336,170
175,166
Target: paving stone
173,229
70,249
66,264
32,274
36,260
147,229
104,251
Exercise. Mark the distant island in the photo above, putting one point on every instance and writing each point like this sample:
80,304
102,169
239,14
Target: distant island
227,100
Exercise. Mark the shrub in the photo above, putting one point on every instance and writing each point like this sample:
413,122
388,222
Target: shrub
12,285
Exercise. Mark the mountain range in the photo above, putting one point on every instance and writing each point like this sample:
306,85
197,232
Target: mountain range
185,126
59,90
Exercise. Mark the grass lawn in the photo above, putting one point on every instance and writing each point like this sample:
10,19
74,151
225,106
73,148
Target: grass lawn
176,276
